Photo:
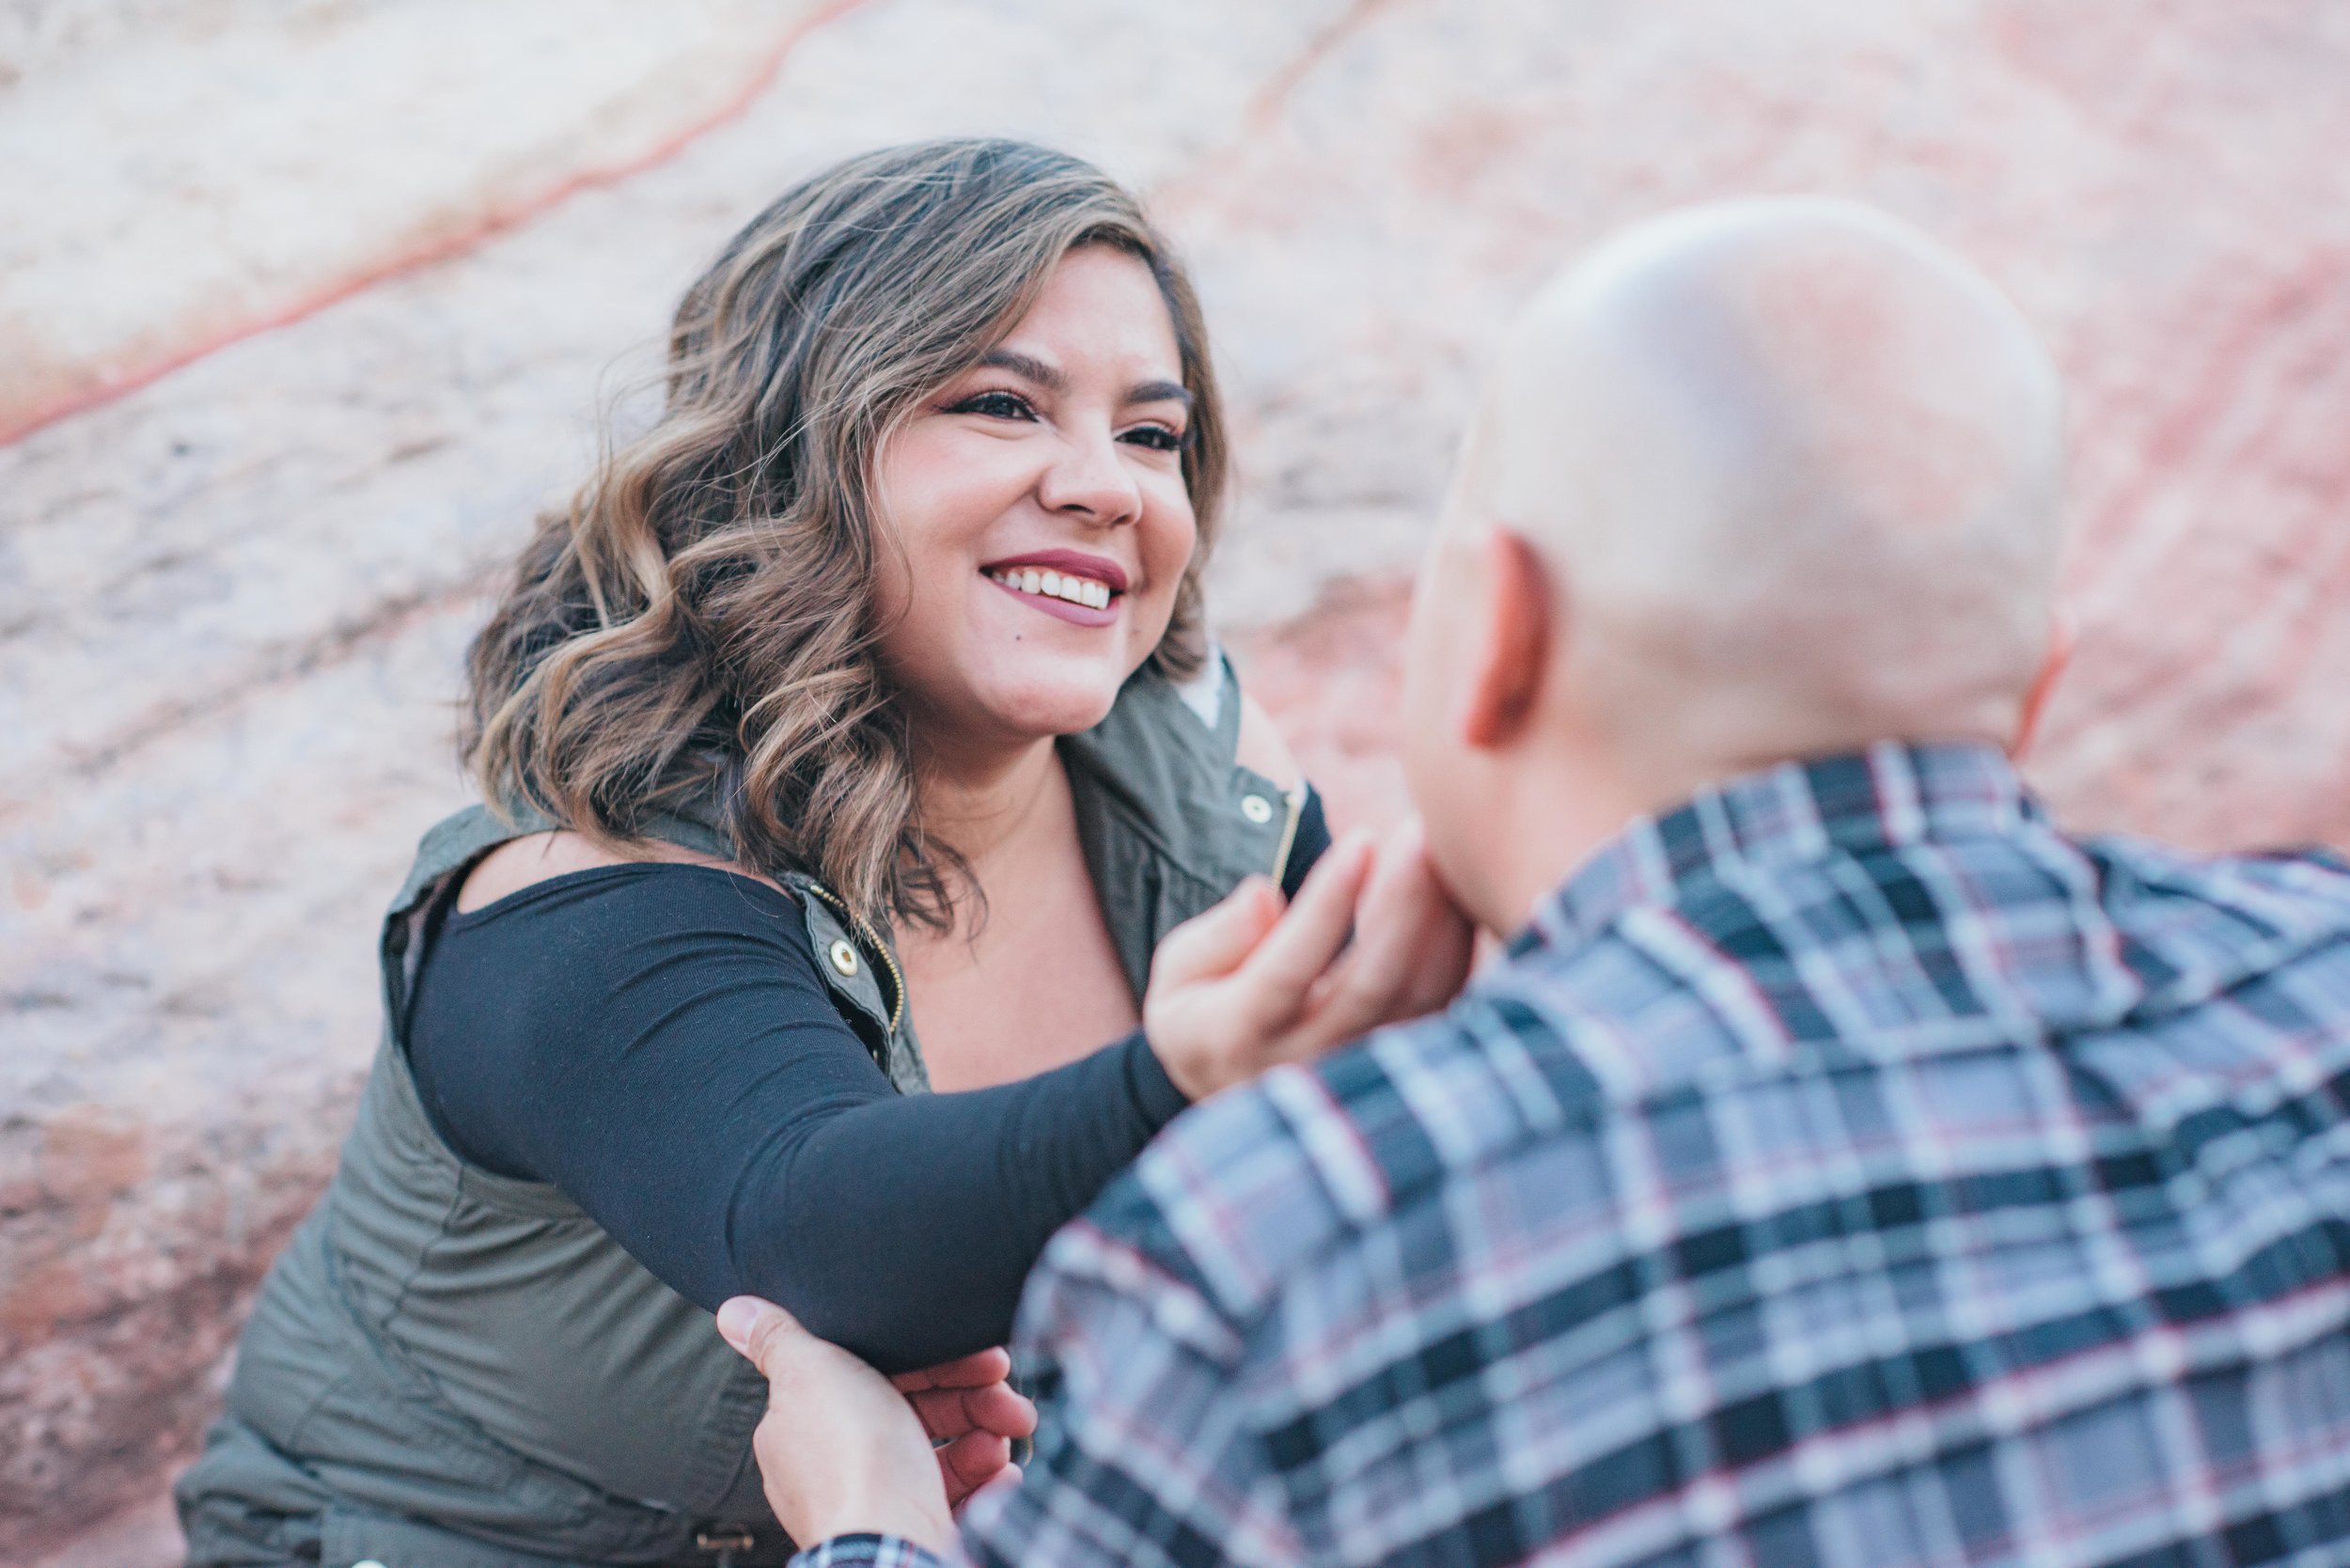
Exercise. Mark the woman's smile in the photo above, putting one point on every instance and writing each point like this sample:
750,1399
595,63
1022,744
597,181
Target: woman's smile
1070,585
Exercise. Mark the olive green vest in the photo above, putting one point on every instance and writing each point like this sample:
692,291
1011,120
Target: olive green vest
450,1368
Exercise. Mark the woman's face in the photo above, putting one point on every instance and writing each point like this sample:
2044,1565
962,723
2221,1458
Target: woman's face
1039,504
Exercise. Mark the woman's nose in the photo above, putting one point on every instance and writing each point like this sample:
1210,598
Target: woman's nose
1088,480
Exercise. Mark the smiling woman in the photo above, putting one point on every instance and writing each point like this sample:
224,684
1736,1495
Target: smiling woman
1044,488
852,733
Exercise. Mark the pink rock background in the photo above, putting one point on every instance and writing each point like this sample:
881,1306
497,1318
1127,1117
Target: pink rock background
231,603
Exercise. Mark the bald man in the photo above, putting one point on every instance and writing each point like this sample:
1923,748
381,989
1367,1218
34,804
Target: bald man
1844,1166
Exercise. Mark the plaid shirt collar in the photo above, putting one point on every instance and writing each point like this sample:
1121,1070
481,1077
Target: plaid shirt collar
1892,794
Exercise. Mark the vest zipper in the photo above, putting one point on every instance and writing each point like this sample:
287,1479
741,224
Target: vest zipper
872,938
1295,801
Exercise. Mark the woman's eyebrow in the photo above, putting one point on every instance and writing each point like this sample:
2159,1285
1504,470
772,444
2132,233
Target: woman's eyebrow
1054,379
1051,378
1158,392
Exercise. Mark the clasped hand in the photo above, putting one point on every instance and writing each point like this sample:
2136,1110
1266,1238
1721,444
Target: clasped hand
1371,938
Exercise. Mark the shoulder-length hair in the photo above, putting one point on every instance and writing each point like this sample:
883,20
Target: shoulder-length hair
699,623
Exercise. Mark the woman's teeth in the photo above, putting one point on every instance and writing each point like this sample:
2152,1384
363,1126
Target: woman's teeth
1055,585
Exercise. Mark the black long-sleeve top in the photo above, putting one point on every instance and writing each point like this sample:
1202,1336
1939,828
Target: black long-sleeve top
656,1040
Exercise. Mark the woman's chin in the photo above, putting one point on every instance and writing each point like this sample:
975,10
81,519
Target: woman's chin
1062,706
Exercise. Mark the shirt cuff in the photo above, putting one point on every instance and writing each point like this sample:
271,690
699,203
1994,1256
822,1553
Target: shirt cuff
865,1551
1156,1098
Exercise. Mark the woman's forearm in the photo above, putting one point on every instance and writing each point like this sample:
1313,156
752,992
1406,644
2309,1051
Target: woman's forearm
903,1228
658,1043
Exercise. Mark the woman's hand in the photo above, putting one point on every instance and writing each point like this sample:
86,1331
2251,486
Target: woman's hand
843,1450
1413,945
972,1415
1247,986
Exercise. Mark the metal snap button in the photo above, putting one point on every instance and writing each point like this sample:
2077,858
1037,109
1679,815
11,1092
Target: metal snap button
1256,808
843,958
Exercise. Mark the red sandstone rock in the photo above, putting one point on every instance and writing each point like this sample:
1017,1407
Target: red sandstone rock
1333,677
393,131
232,604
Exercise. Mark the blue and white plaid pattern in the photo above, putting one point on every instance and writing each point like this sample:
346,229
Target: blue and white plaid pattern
1847,1169
865,1551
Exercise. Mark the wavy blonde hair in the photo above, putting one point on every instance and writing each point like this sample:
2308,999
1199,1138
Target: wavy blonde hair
699,623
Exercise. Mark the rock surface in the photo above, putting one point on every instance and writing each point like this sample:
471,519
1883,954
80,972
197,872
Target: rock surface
231,603
283,153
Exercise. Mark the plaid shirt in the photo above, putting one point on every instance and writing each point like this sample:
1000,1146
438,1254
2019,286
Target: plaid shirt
1846,1169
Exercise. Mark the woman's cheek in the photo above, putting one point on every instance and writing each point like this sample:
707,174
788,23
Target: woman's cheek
942,490
1170,527
1167,563
1173,550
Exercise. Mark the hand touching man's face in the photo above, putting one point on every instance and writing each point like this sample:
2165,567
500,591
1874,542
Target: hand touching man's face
1372,938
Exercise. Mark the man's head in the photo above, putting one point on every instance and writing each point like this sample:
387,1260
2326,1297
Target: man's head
1756,480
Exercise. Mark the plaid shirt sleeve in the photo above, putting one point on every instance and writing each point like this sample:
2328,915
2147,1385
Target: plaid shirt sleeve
1154,1462
1158,1467
865,1551
1149,1455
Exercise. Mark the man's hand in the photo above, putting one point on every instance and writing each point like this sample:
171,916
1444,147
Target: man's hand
844,1450
1245,986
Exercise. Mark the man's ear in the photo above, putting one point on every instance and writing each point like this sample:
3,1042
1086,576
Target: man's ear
2043,685
1508,654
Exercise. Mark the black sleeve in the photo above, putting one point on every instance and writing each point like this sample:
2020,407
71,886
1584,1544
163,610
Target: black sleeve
1310,842
655,1041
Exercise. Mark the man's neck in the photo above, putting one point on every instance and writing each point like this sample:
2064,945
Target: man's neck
1539,825
1560,811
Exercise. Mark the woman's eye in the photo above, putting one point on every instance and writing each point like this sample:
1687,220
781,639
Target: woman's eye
995,405
1157,437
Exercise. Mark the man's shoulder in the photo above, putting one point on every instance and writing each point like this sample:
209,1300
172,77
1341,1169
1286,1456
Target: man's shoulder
2197,924
2314,878
1244,1192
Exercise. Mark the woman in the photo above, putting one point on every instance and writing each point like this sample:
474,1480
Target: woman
891,623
